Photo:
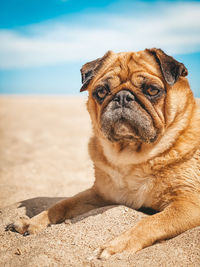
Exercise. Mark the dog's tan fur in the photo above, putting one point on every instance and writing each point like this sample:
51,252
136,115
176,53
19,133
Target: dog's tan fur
163,175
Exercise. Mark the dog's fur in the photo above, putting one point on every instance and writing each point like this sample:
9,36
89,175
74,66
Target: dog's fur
145,148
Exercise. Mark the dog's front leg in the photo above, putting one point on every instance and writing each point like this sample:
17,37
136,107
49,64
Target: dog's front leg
178,217
65,209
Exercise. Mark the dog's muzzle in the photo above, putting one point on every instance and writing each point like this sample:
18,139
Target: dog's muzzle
125,118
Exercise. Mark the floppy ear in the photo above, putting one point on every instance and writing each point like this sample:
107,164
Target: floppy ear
171,69
90,69
87,73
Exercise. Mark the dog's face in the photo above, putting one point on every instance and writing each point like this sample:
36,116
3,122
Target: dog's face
128,94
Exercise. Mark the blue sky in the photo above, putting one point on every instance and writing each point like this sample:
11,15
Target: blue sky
43,43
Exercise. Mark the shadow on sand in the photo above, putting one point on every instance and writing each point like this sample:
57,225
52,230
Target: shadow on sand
36,205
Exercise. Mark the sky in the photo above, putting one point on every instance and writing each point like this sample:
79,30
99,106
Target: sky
44,43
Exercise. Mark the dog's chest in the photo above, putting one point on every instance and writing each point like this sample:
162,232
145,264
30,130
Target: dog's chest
129,187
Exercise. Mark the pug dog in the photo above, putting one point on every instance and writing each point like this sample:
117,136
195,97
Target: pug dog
145,148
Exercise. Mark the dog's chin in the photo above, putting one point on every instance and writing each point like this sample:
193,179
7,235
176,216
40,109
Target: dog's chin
123,131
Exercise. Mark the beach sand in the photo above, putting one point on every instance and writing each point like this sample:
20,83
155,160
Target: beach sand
43,158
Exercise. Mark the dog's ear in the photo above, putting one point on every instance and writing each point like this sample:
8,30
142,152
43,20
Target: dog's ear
87,72
90,69
171,68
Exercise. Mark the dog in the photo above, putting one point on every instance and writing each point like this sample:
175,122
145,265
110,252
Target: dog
145,148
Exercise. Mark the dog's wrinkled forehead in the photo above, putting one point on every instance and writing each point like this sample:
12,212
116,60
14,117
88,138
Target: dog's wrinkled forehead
124,65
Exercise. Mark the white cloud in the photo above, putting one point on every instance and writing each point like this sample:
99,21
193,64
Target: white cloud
173,27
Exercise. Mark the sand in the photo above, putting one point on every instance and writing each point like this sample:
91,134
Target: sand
43,158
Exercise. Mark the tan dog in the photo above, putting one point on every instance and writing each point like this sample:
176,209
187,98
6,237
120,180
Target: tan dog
145,148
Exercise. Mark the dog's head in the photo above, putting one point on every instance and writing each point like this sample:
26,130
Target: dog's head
131,94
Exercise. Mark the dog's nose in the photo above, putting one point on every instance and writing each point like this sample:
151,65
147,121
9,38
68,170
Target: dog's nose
123,98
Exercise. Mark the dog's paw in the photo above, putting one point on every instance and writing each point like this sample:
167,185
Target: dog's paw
104,254
106,251
124,242
23,226
26,226
100,253
117,245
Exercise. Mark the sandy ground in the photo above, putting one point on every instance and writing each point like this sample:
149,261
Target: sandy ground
43,157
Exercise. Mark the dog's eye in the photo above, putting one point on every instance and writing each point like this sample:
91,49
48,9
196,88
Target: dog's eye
100,93
152,91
